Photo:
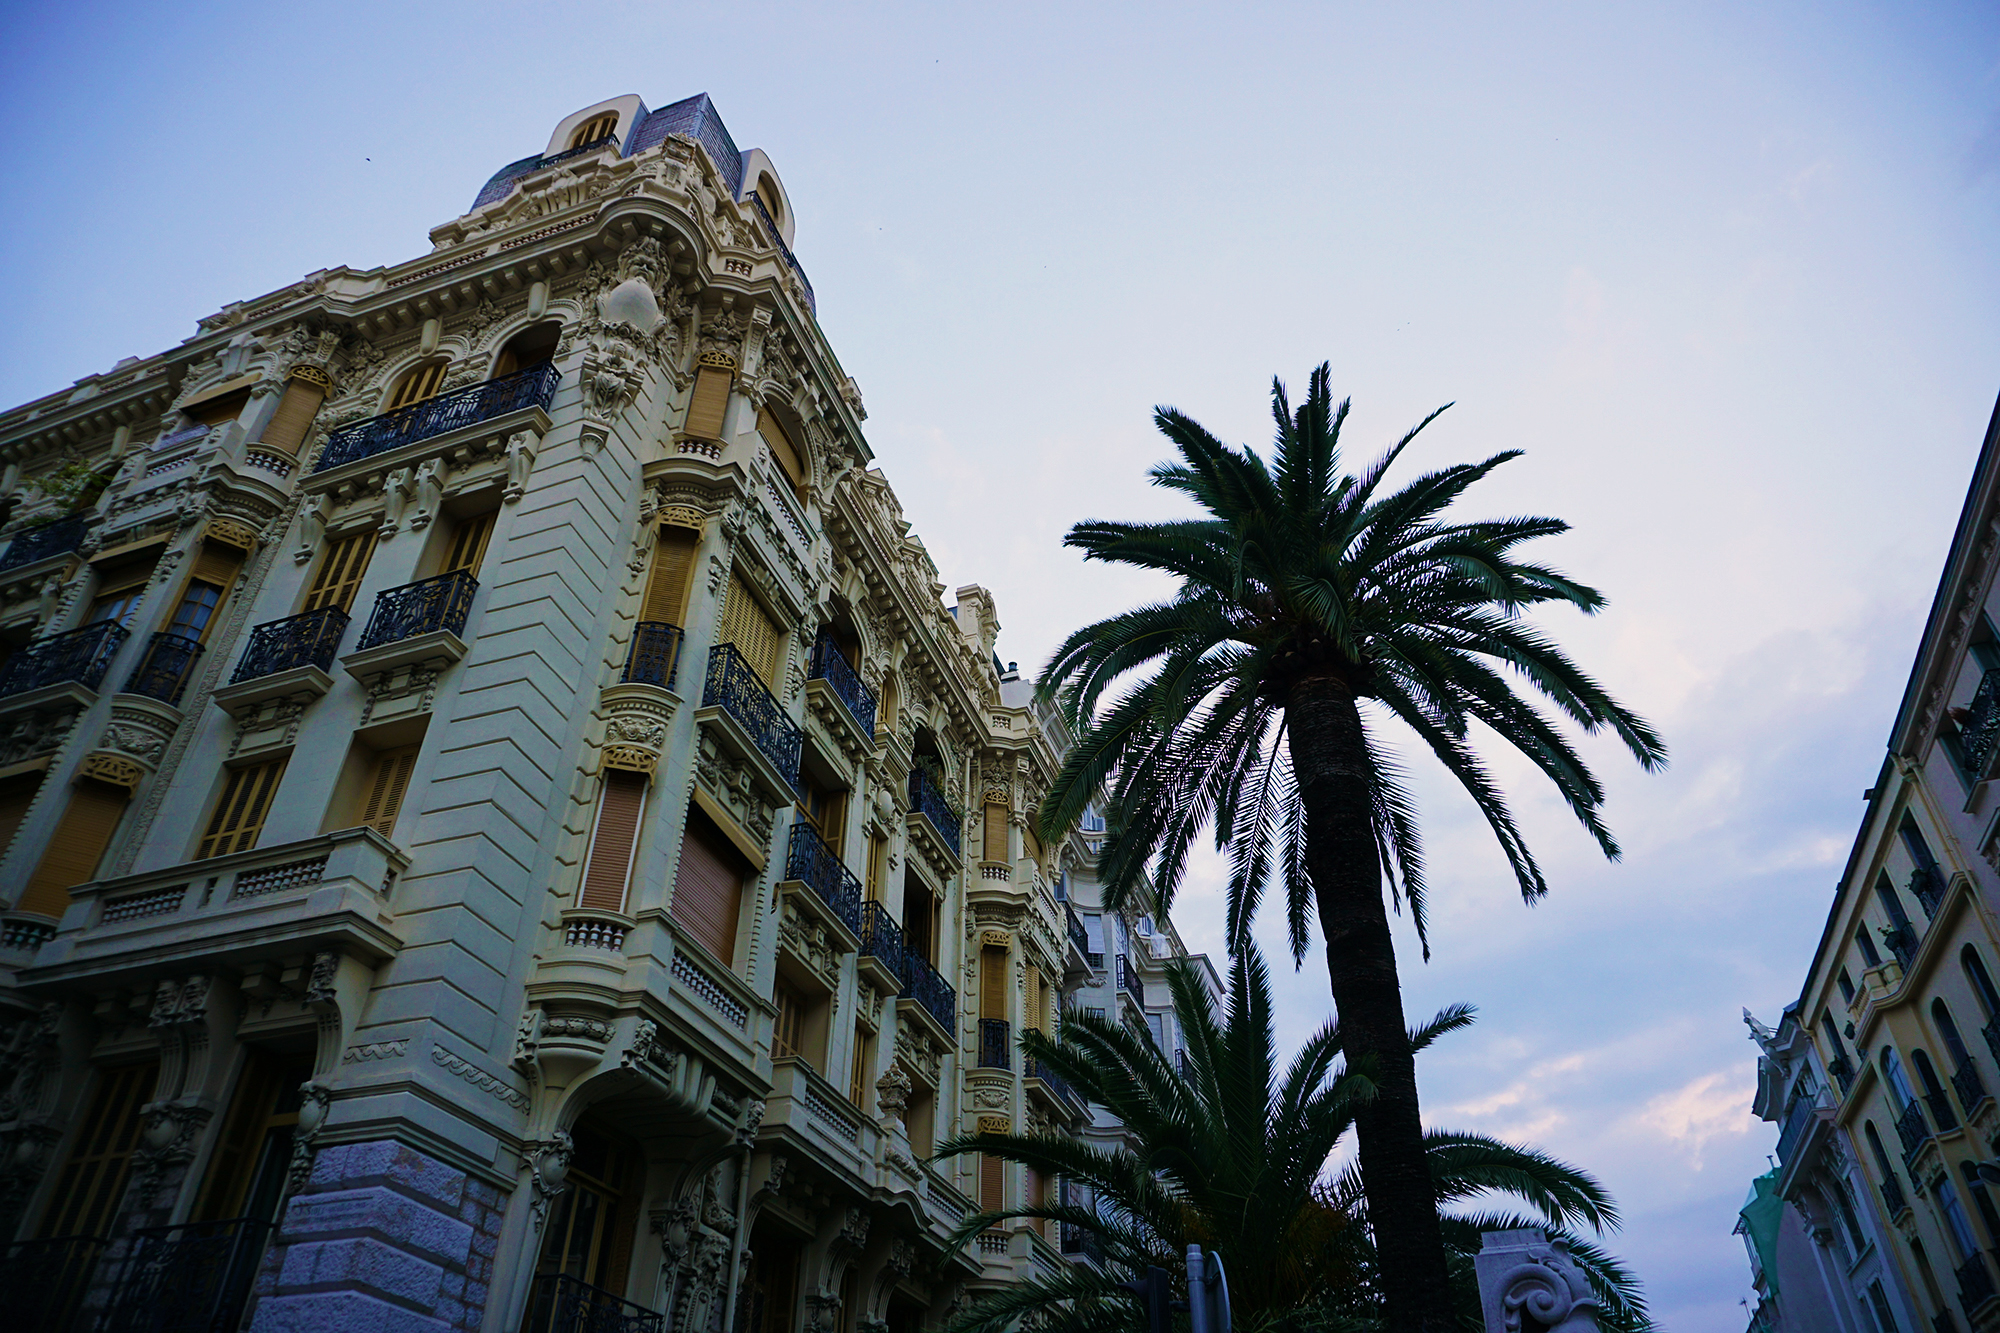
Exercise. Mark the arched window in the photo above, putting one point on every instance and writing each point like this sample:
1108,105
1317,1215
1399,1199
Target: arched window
767,195
600,126
1900,1091
1982,983
1933,1090
1948,1032
417,384
530,347
1875,1147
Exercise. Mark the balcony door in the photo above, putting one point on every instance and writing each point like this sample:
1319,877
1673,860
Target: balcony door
589,1231
747,625
246,1178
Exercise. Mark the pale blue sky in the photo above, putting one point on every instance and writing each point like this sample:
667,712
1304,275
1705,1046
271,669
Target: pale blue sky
1726,272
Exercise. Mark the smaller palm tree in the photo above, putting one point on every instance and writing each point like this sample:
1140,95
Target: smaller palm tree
1232,1155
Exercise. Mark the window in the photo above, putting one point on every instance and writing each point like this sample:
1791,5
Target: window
1982,983
1156,1024
590,1227
17,793
1846,986
531,347
81,836
1094,1014
239,816
1982,1200
825,808
196,609
1947,1031
992,982
1933,1090
708,887
1093,935
767,195
1900,1091
340,571
1833,1042
995,827
864,1059
1892,903
388,778
1956,1222
788,1031
600,126
709,403
468,543
93,1179
920,918
1867,947
1878,1300
286,430
420,383
771,1302
791,460
620,805
246,1176
992,1183
1919,850
119,589
747,625
878,864
1880,1153
667,581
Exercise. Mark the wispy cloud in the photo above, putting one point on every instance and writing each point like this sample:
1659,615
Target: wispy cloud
1716,1105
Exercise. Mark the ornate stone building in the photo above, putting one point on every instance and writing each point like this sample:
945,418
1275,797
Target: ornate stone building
1883,1074
500,825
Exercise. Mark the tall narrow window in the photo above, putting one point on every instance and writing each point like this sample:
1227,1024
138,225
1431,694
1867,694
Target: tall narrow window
825,808
919,919
340,569
708,888
1954,1045
93,1179
1982,983
590,1228
239,816
857,1077
247,1173
1892,903
783,448
992,982
1880,1153
468,543
619,809
71,857
1833,1041
388,779
709,403
995,833
1933,1090
530,347
294,417
599,126
1900,1091
17,793
1031,1017
878,864
992,1183
1956,1222
1869,955
419,384
1846,986
788,1030
1919,850
667,581
747,625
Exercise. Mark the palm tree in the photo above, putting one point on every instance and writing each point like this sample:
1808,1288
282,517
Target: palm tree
1232,1154
1305,594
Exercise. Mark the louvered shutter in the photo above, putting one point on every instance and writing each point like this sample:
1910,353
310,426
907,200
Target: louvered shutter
783,448
294,416
618,812
239,815
992,982
746,624
216,563
709,403
418,385
388,779
667,584
995,833
92,1183
991,1182
468,544
1032,1012
340,571
71,857
708,888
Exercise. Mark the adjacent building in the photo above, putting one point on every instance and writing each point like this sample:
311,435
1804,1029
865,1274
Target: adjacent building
1883,1074
499,826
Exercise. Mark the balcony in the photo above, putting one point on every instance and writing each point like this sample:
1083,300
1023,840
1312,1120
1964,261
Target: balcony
1981,728
163,672
32,545
560,1303
1971,1089
470,406
193,1276
285,659
1901,940
830,666
923,984
1941,1112
1129,982
927,799
995,1049
63,662
1975,1284
1843,1073
1928,888
1913,1130
654,656
1080,1242
811,862
1797,1121
881,962
1058,1086
737,691
417,625
1079,938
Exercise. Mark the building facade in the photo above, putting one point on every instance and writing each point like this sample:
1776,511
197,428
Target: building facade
1883,1074
501,828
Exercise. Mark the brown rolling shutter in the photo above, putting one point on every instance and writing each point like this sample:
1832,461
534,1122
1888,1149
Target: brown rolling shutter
667,583
618,812
749,626
16,795
991,1181
995,833
708,404
388,779
340,571
78,845
782,447
239,815
468,544
708,888
992,982
92,1184
216,563
294,416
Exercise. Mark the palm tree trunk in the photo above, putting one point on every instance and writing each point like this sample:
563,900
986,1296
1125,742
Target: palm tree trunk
1330,761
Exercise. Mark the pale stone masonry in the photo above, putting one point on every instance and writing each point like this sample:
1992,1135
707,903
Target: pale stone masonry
499,828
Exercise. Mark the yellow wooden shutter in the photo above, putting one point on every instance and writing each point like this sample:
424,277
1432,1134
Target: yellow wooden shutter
81,836
709,403
468,544
667,583
992,982
788,1031
340,571
749,626
216,563
995,831
783,447
239,815
418,385
294,416
1033,1016
618,813
92,1183
388,779
597,127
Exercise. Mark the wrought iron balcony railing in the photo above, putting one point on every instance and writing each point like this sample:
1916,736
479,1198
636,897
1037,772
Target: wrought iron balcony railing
924,984
193,1276
1992,1034
737,690
927,799
1970,1087
1078,936
1081,1241
164,671
79,657
1892,1195
423,607
560,1303
1982,724
1941,1113
533,387
578,151
882,938
1912,1129
655,654
1035,1068
1129,982
778,238
829,665
1796,1122
46,1280
995,1049
1927,887
810,861
310,638
58,537
1975,1283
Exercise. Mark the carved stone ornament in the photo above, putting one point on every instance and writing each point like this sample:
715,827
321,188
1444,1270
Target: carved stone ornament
315,1100
892,1092
166,1140
1527,1282
548,1161
809,942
